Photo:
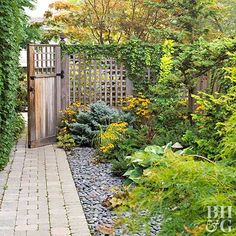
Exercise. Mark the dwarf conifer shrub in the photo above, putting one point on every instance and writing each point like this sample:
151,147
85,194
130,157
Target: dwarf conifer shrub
89,123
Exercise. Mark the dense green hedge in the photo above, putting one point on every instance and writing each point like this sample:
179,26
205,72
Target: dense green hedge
12,20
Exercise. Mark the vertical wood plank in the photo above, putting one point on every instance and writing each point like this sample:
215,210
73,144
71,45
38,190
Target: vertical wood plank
38,109
100,81
79,79
89,82
85,81
43,103
110,80
65,83
116,85
95,79
121,83
31,95
73,80
106,79
58,80
129,87
50,60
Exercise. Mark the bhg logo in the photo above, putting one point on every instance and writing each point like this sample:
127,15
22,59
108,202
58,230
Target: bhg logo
219,217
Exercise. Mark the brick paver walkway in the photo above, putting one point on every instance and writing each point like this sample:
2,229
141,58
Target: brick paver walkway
38,196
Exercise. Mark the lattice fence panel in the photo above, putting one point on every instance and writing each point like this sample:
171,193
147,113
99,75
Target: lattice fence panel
98,79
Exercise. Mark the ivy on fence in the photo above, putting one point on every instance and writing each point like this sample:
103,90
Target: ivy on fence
182,66
135,55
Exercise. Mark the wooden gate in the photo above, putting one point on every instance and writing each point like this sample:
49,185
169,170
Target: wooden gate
44,95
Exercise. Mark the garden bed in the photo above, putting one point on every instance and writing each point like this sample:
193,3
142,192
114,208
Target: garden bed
96,184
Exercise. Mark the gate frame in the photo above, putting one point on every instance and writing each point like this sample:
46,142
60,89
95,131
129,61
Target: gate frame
31,76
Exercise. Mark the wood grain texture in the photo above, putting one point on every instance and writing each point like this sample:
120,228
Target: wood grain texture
65,82
44,67
31,105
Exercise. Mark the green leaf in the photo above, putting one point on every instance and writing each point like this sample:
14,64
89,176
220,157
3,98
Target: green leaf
154,149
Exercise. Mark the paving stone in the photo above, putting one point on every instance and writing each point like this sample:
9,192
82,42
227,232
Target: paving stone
20,233
7,232
7,222
44,227
39,195
60,231
33,227
38,233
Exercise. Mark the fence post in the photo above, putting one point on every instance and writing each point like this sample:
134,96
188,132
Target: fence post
129,87
31,85
65,83
58,77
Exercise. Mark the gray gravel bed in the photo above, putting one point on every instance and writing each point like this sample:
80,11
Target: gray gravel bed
95,182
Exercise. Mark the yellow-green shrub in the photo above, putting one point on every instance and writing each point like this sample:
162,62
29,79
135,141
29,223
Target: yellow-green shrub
114,132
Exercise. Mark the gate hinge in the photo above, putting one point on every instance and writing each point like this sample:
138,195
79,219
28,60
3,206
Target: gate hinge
62,74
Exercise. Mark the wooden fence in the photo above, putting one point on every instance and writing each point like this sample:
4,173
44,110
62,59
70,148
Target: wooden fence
54,84
91,80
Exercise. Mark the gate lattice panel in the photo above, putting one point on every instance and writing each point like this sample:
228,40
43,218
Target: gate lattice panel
97,79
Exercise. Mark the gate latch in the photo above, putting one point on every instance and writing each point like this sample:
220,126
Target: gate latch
62,74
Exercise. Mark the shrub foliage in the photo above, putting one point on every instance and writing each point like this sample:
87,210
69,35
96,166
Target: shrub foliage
12,19
180,189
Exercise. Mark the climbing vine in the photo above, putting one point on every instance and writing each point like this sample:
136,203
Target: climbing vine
136,56
189,61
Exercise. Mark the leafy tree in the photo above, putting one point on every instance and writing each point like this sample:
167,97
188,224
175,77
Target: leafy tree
107,21
229,20
201,59
187,20
103,21
211,114
33,32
